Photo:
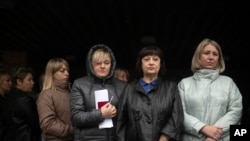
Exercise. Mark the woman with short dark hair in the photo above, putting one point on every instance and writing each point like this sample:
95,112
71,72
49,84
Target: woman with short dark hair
20,108
150,107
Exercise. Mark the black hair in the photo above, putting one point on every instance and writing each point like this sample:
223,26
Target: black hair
150,50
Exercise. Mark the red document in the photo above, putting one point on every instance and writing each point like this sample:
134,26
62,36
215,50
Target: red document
101,103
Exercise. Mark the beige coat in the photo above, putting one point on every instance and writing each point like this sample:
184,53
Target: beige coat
54,114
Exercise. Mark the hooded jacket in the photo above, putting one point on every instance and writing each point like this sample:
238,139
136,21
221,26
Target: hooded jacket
85,117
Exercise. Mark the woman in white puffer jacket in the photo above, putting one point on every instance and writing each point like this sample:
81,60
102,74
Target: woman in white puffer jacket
211,101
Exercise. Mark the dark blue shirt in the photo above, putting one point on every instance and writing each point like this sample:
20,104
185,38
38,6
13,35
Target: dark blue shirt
148,86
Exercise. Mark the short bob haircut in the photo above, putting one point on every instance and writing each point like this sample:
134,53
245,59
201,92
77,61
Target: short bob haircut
196,64
150,50
19,73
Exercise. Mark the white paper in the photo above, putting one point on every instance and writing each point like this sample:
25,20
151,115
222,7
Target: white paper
102,95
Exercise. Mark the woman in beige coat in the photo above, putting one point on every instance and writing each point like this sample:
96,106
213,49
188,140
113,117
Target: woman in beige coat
54,102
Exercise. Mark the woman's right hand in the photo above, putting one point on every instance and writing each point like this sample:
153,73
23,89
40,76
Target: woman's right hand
212,131
108,110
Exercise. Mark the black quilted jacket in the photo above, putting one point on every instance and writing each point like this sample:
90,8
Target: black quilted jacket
85,116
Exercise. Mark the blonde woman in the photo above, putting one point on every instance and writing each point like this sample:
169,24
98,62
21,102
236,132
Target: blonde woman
100,83
211,101
53,102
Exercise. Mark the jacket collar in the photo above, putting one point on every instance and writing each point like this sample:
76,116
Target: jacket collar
206,74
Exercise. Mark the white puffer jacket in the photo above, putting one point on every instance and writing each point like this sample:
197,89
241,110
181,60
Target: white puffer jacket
209,98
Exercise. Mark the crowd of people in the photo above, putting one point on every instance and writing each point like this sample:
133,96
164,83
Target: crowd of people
108,105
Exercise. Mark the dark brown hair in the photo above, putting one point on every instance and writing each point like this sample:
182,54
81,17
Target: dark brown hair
20,73
150,50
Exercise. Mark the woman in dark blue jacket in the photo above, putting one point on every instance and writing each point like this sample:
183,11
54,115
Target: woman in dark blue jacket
150,108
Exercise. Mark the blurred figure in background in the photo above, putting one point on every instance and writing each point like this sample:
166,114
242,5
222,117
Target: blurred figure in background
5,86
20,111
53,102
122,74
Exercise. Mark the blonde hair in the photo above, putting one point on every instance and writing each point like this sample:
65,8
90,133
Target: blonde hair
52,67
99,54
196,64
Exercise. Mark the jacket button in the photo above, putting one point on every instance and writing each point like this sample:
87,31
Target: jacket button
149,121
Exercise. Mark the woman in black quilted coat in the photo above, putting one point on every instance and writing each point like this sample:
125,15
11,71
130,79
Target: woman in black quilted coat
86,93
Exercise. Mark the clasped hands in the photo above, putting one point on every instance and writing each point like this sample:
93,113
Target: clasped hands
212,132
